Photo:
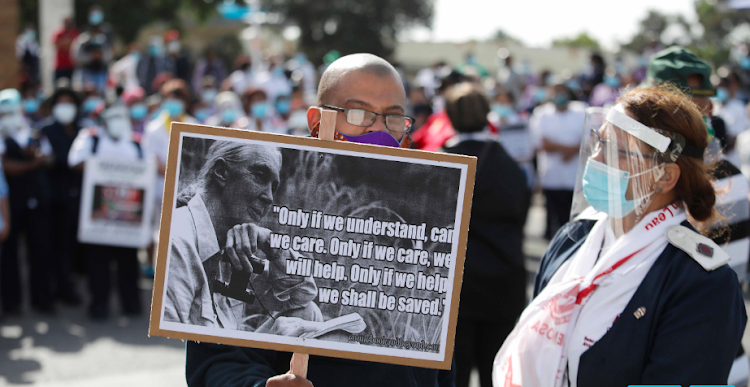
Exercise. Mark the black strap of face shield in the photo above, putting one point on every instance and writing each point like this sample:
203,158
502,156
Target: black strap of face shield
693,151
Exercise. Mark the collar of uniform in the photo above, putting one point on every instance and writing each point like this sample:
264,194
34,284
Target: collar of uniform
208,244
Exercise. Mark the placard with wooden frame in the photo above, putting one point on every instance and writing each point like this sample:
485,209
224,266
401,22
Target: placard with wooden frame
315,247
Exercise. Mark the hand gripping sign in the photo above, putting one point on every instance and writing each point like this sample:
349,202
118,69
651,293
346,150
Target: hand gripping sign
310,246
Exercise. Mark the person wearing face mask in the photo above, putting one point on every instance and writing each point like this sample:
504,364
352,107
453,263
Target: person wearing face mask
177,60
494,267
133,98
274,81
229,112
207,104
628,292
366,87
174,107
502,110
124,71
113,139
93,51
151,64
31,105
606,92
679,66
209,65
734,113
555,129
26,155
66,190
260,112
242,77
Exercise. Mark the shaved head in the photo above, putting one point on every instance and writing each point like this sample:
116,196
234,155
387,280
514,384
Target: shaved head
360,81
346,66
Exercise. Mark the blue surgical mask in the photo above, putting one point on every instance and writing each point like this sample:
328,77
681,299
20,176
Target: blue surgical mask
259,110
138,111
277,72
96,17
154,50
722,94
540,94
282,106
175,107
502,109
30,106
598,181
745,63
208,95
90,104
612,81
202,115
560,100
228,116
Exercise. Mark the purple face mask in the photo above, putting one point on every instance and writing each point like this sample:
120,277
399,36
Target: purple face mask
375,138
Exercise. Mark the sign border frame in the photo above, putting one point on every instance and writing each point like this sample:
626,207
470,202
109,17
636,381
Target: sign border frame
177,129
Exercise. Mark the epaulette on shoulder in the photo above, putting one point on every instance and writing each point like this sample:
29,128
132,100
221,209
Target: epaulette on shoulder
703,250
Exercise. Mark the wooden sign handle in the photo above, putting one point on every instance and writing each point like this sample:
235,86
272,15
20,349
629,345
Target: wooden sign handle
327,124
298,365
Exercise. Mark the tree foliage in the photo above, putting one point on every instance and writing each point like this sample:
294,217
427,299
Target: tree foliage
127,17
707,38
583,40
351,26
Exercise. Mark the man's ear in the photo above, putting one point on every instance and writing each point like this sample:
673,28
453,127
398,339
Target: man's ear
670,177
313,117
220,173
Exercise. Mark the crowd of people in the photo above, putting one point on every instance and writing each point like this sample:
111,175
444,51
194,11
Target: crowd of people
123,107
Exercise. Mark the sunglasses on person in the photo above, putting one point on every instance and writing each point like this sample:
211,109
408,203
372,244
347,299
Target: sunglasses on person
365,118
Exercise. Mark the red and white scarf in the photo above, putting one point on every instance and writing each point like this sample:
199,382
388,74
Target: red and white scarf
535,354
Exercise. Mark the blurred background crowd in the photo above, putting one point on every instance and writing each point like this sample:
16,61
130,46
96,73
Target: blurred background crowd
256,66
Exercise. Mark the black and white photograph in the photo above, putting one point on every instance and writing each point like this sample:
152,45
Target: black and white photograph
325,248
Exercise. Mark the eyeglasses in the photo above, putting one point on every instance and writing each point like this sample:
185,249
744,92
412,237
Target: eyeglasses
607,148
365,118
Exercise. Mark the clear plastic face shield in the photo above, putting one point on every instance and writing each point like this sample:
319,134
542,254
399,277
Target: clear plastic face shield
620,162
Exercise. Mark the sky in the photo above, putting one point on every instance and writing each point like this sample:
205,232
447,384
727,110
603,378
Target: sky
537,22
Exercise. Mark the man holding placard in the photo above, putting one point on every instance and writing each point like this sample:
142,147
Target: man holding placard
368,98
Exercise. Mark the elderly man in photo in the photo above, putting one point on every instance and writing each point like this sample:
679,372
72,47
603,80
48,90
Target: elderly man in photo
215,231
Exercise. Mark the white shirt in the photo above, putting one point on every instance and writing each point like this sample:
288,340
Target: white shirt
734,113
83,146
564,128
155,143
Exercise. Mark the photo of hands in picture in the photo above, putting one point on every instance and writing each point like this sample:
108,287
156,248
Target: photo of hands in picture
222,271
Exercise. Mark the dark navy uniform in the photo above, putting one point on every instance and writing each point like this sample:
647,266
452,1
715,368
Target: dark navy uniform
66,197
690,334
30,212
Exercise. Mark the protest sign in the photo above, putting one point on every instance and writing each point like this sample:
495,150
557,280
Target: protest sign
356,250
117,202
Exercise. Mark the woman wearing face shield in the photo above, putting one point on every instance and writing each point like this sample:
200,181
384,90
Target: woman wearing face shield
628,292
